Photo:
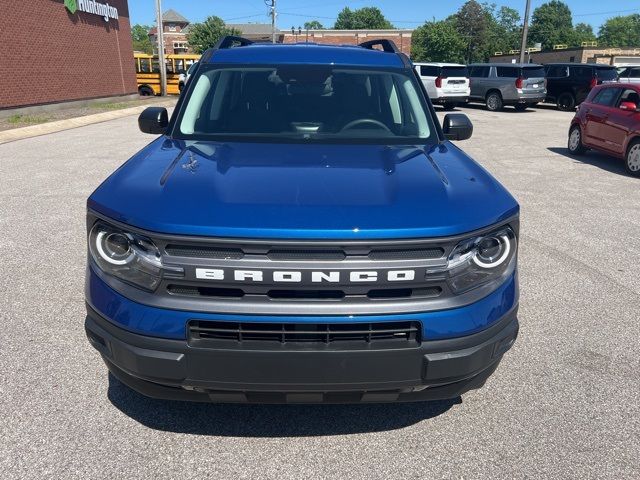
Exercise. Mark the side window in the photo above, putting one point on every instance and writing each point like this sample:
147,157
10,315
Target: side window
428,71
606,97
630,95
479,71
634,72
556,71
581,72
508,72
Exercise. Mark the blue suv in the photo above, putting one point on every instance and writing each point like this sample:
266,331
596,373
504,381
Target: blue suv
302,230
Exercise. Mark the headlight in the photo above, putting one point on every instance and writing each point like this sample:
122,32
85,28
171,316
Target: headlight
131,258
481,259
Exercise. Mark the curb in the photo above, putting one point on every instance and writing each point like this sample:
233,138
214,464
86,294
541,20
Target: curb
12,135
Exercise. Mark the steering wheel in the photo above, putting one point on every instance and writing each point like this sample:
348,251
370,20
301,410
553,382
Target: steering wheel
369,121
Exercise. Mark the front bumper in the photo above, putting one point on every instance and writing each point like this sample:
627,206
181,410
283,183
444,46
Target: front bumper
172,369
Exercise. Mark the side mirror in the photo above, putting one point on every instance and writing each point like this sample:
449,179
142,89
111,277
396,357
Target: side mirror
457,126
630,106
153,120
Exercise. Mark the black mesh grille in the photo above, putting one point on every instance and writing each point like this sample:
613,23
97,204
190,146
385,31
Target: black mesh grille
404,254
387,334
204,252
335,255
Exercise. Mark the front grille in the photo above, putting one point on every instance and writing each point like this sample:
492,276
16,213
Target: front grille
204,252
205,333
314,277
404,254
306,255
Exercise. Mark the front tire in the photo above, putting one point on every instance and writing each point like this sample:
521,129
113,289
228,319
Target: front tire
494,102
632,159
566,102
574,144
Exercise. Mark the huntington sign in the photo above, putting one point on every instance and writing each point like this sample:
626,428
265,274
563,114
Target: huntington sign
104,10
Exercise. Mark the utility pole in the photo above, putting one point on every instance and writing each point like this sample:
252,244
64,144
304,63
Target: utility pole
525,31
272,13
160,37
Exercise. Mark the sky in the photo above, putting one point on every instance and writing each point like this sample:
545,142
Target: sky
402,13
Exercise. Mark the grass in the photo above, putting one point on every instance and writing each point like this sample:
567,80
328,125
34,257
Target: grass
26,119
112,106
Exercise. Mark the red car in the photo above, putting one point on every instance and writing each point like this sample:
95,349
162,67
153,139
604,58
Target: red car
609,121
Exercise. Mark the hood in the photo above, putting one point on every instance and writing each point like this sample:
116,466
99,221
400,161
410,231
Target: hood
296,191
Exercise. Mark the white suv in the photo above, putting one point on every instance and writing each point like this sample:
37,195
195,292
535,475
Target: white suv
446,83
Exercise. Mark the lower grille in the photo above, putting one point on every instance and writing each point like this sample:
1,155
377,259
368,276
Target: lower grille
204,333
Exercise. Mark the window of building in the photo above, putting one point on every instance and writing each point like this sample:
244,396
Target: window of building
572,59
172,28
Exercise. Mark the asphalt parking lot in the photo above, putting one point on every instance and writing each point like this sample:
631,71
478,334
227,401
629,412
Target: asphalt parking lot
563,404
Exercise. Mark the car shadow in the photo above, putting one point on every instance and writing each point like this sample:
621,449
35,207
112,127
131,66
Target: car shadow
597,159
506,108
270,420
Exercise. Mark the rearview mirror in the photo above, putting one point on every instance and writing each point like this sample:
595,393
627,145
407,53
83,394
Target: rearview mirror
457,126
153,120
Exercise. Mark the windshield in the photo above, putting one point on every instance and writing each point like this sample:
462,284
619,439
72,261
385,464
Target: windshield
607,73
454,72
305,103
533,72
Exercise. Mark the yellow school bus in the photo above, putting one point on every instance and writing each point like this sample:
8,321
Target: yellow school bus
148,72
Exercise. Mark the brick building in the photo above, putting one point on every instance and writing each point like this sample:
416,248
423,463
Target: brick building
401,37
608,56
175,28
57,51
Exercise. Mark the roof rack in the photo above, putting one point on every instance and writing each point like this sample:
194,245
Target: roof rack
228,41
387,45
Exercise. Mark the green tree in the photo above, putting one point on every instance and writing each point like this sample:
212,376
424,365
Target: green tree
140,37
622,31
583,32
313,25
205,35
367,18
474,25
552,24
510,29
438,42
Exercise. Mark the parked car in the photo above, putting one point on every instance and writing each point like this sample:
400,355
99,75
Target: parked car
609,121
184,76
500,84
568,84
629,74
447,84
302,230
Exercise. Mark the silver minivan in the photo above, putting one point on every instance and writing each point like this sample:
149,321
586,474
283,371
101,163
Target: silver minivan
498,84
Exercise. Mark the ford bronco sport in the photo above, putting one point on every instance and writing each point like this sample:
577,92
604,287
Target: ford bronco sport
302,230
